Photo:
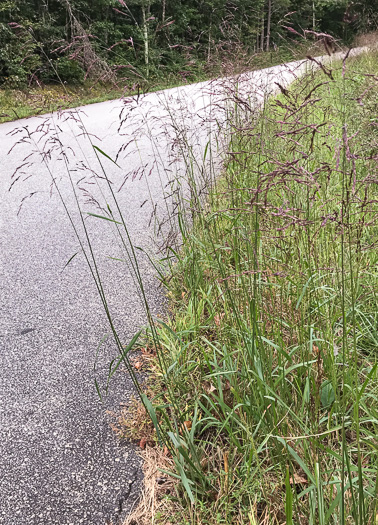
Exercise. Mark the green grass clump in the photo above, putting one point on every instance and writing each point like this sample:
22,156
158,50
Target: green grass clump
271,347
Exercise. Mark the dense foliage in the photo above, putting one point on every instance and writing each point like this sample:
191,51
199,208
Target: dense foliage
70,40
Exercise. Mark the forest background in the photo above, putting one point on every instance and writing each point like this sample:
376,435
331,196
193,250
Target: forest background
134,42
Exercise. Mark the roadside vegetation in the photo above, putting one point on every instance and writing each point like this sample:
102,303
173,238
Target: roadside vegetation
262,400
31,100
56,55
22,103
265,382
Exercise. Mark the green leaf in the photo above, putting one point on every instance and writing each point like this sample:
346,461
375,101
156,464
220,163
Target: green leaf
185,481
105,155
297,459
289,500
103,217
327,394
150,409
123,355
69,260
98,390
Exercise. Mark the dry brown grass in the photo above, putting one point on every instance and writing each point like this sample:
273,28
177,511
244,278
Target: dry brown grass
369,39
154,503
133,423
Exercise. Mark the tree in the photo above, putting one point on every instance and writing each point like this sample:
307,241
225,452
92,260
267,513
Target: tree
143,24
42,38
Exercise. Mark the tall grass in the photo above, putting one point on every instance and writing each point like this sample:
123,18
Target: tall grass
272,344
265,376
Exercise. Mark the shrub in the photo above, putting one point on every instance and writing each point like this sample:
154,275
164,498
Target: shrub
69,70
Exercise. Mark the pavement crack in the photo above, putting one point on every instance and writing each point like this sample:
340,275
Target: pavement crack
122,500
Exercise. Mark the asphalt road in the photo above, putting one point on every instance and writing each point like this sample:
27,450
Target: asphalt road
59,460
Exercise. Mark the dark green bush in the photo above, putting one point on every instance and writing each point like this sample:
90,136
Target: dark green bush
69,70
19,58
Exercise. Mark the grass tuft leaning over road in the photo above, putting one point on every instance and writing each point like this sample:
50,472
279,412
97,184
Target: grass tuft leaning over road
270,350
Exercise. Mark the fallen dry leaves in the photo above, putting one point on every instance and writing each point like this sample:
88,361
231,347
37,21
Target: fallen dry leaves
218,318
298,480
187,425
